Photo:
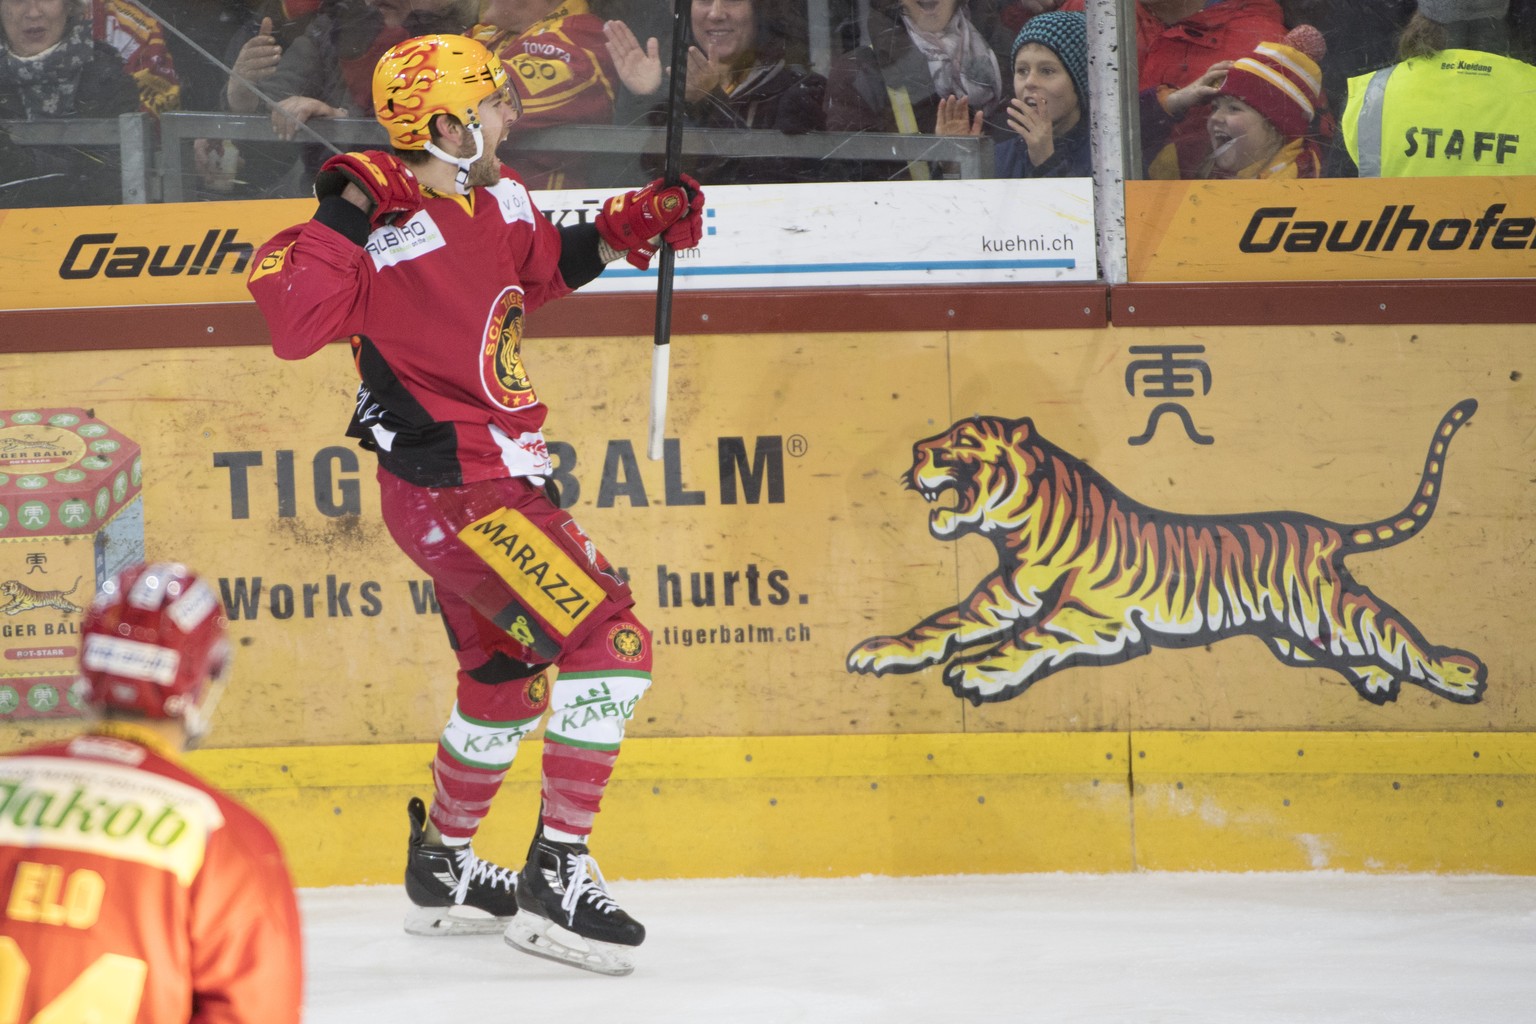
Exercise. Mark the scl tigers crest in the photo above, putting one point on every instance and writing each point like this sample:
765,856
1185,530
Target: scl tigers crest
501,358
1087,576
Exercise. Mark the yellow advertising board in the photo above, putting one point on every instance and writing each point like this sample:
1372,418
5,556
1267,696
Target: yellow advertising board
760,237
1251,528
1002,586
1331,230
94,256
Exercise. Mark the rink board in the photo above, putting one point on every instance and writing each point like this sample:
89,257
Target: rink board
1465,227
824,806
779,534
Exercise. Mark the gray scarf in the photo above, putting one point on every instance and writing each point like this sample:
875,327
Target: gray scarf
961,62
49,80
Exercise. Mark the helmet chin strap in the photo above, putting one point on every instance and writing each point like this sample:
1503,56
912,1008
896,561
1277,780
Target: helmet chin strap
461,179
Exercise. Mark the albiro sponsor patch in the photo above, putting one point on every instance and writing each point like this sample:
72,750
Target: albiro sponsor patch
397,243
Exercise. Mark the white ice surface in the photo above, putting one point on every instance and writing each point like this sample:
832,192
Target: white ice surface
1148,948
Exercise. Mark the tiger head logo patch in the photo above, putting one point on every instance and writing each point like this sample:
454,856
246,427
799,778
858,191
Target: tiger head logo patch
502,373
538,690
627,643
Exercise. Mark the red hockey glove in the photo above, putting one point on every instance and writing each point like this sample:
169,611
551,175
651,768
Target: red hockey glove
382,177
635,220
689,228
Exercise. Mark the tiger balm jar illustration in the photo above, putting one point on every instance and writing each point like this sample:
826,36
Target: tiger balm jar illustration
71,514
1088,576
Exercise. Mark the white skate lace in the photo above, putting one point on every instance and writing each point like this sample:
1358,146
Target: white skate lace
586,883
472,868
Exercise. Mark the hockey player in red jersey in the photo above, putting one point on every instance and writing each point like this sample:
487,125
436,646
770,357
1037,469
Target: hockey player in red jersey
428,258
133,891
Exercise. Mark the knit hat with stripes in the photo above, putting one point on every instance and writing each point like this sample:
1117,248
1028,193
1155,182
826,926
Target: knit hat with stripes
1064,33
1281,83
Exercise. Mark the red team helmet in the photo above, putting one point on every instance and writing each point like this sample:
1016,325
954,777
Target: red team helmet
155,644
443,74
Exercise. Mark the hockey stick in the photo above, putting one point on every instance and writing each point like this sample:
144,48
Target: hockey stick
661,353
231,72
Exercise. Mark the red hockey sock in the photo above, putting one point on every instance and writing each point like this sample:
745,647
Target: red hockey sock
574,780
473,756
462,795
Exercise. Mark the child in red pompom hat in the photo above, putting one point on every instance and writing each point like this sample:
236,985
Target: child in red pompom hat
1264,109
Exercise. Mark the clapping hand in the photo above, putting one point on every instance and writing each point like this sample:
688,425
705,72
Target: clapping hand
954,117
639,67
704,75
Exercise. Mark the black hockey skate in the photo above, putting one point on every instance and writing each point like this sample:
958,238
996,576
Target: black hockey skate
566,914
455,892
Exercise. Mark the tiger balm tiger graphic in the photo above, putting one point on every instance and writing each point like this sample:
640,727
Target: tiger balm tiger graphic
16,597
1088,576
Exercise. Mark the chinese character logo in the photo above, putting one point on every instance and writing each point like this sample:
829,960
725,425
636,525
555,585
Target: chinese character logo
1168,371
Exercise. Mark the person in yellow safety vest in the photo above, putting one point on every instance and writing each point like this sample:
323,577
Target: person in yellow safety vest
1455,105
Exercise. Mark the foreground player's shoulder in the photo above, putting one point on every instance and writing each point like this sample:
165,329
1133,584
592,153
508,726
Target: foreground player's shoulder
252,835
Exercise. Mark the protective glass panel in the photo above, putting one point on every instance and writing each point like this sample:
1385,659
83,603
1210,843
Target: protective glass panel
123,101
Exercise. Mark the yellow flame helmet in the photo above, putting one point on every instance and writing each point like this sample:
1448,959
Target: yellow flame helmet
443,74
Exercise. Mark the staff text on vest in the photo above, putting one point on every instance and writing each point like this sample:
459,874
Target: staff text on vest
1499,144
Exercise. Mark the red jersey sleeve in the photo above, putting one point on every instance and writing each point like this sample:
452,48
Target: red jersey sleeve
539,257
312,285
246,955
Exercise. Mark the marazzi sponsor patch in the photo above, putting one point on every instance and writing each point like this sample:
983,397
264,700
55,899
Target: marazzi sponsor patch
546,580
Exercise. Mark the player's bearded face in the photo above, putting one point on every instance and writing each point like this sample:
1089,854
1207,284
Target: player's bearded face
487,169
498,112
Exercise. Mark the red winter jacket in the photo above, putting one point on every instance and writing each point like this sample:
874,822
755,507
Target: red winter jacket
1175,55
564,75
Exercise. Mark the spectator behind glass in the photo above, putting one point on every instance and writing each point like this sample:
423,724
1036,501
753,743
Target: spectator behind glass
252,50
51,68
189,24
738,76
1176,41
256,48
562,70
920,53
1263,111
1049,109
140,40
328,71
1361,35
1457,104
